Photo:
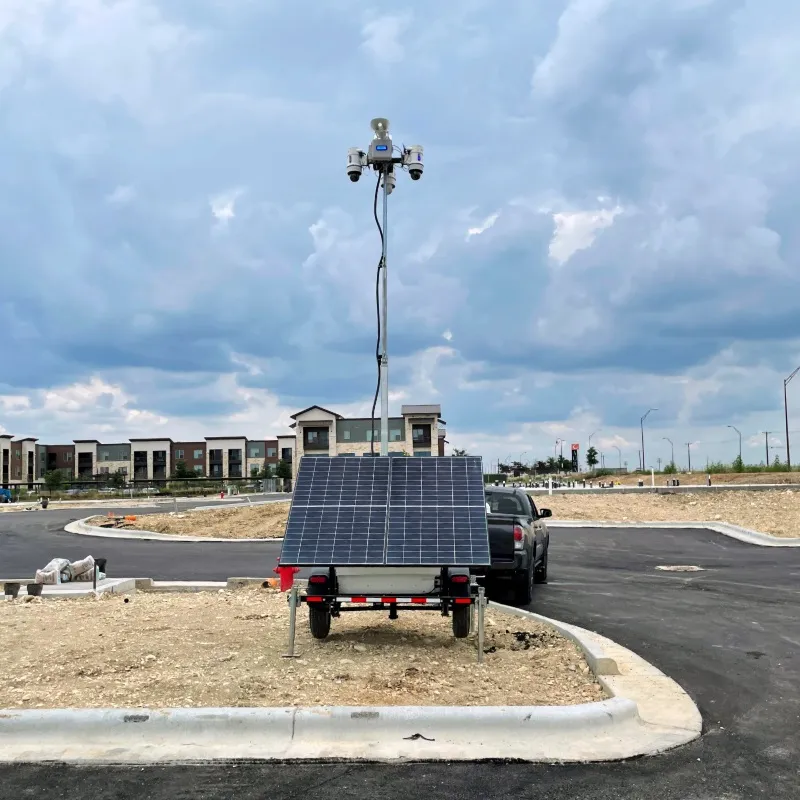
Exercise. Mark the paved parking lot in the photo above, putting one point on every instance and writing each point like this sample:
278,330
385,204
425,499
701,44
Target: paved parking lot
730,635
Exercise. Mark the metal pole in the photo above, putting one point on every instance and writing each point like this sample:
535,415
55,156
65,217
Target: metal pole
740,435
620,457
292,620
384,332
786,417
481,603
766,446
689,452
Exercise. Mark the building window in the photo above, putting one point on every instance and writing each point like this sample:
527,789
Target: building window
198,454
179,454
198,469
123,470
104,470
272,452
104,455
422,453
346,435
286,454
68,456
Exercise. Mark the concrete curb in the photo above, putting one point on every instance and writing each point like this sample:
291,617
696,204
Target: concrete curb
81,527
647,714
725,528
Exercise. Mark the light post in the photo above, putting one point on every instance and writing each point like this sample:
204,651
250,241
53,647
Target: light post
524,453
620,456
740,439
380,155
666,439
555,447
641,425
590,441
786,417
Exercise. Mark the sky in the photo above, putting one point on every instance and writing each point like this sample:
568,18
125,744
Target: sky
606,223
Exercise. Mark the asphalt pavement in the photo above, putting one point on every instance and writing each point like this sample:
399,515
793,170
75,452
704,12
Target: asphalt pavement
730,635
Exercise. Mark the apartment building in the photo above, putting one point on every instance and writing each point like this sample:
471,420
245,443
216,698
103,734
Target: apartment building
418,431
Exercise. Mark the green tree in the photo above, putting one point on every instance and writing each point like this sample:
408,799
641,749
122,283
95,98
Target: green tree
459,452
182,472
117,480
671,469
591,457
283,470
738,464
267,471
53,480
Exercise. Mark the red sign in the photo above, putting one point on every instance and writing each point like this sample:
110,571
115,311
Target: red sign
575,447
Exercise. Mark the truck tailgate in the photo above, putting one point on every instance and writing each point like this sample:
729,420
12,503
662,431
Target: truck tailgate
501,536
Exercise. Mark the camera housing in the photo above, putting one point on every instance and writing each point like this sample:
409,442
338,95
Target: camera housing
356,161
412,160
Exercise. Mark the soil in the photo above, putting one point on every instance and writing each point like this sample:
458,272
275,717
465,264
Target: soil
700,478
258,522
774,512
224,649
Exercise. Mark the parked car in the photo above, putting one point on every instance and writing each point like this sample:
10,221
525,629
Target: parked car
518,540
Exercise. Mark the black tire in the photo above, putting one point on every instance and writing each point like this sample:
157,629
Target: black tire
461,621
540,574
523,587
319,620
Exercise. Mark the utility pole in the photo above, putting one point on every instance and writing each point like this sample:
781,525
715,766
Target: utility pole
786,418
659,464
766,446
380,155
689,452
666,439
620,456
641,424
740,439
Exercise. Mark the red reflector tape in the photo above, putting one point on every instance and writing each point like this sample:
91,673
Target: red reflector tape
462,601
420,601
358,599
313,599
389,599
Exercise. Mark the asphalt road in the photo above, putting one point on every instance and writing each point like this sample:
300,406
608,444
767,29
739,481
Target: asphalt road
730,635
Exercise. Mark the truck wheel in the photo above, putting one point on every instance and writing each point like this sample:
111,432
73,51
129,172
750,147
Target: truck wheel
461,619
540,575
523,587
319,619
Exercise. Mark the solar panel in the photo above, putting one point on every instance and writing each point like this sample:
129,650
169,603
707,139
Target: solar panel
388,511
342,481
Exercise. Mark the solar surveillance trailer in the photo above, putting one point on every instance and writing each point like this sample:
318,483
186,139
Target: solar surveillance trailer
388,534
384,157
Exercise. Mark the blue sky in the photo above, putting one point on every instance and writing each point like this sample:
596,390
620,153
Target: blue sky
607,221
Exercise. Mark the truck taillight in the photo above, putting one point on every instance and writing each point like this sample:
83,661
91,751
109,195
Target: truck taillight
519,537
459,578
318,579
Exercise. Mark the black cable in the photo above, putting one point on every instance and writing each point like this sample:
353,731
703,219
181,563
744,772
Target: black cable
378,311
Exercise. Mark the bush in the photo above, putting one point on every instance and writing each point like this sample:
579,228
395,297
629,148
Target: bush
671,469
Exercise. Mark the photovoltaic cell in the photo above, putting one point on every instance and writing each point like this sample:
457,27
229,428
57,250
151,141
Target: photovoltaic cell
388,511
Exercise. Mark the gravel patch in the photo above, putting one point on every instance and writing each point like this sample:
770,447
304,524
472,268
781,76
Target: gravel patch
224,649
257,522
775,512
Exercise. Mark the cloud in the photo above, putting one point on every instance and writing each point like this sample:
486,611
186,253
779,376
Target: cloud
606,222
381,37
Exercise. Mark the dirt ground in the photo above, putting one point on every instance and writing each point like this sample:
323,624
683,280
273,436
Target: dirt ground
224,649
699,478
775,512
259,522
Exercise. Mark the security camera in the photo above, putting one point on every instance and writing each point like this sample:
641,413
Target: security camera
412,159
355,163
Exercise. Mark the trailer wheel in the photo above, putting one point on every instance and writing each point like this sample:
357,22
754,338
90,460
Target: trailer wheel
461,621
319,620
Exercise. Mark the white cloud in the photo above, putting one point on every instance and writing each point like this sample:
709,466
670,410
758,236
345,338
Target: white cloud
14,402
381,37
223,206
576,230
448,335
483,226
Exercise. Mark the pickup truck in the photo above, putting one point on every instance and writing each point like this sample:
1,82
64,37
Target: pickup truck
518,540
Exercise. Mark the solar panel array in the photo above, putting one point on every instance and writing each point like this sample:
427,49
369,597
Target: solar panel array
388,511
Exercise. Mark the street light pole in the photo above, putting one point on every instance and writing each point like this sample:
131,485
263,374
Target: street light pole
786,417
641,424
766,446
590,441
740,437
555,447
689,452
667,439
620,456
